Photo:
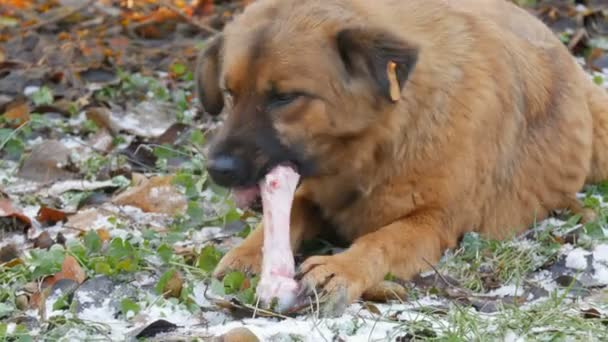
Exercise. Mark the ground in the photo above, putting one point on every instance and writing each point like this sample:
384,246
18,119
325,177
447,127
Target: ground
110,228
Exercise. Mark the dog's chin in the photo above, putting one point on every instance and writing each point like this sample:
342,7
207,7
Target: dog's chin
249,197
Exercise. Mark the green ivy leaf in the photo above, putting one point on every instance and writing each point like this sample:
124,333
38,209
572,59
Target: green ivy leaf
208,259
77,249
247,296
165,152
195,212
43,96
603,189
61,302
119,249
197,137
232,215
46,262
217,287
126,265
14,148
165,252
233,282
591,202
245,232
187,181
103,268
594,230
5,310
178,69
598,79
162,282
127,305
92,242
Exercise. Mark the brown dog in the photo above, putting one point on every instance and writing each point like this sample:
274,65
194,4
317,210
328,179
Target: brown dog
411,123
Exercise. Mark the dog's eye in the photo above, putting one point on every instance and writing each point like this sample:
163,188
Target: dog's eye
278,100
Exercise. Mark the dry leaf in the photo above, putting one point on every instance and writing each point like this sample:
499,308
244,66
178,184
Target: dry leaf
7,210
8,253
50,215
45,163
17,113
154,195
240,334
104,234
43,241
86,220
70,269
173,288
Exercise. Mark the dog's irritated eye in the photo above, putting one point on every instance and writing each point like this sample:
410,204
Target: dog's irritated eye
278,100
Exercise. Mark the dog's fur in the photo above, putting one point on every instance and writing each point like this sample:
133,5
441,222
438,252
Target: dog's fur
483,123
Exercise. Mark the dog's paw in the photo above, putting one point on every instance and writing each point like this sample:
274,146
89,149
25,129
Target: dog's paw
244,259
332,281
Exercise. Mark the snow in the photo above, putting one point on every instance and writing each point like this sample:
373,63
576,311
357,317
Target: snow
507,290
48,305
16,239
511,336
81,185
10,328
600,253
30,90
601,273
600,264
105,314
577,259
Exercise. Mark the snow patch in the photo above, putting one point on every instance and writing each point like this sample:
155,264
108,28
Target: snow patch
507,290
577,259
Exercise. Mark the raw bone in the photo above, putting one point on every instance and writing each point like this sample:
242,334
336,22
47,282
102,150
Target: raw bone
278,269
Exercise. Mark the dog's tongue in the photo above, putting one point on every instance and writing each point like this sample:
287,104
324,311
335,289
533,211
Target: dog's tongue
276,281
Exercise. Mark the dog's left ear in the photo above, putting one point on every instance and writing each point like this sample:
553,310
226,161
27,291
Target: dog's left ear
207,76
383,58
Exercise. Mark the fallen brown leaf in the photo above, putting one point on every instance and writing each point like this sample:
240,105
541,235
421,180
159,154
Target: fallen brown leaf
104,234
154,195
173,288
591,313
8,253
45,163
70,269
17,113
237,335
43,241
85,219
50,215
8,211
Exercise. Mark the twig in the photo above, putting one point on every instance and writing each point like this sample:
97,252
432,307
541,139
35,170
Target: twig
59,16
443,278
179,12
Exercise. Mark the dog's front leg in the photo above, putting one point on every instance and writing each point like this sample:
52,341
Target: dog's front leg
247,257
403,248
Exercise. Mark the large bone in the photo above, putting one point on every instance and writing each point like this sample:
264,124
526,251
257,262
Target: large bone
278,269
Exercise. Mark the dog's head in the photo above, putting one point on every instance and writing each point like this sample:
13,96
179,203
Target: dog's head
296,79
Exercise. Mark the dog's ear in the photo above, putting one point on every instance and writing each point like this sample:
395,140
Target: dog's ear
380,56
207,76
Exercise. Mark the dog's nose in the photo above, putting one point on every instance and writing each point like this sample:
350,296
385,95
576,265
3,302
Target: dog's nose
226,170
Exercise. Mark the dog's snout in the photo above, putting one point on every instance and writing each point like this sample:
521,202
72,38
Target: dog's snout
227,170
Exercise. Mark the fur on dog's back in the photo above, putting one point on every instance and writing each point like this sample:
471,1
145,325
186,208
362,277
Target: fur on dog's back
540,35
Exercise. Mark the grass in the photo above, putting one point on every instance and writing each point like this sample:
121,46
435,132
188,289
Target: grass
556,318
